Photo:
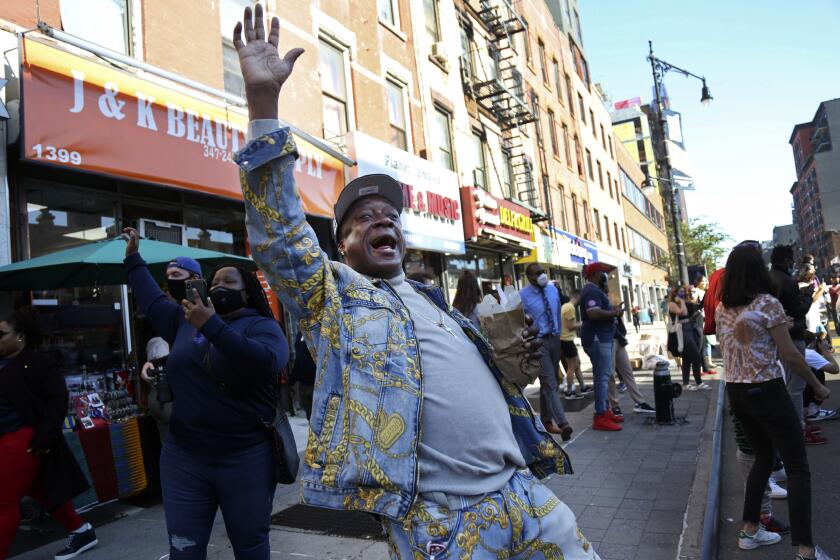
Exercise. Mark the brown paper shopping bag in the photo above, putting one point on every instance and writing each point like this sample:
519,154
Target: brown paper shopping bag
504,331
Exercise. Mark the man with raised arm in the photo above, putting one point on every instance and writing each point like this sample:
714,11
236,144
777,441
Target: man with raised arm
411,419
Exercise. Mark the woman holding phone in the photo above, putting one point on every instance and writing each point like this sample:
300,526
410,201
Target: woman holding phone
224,362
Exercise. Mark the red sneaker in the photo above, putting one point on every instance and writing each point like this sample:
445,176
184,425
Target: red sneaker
814,439
710,372
605,423
812,429
775,525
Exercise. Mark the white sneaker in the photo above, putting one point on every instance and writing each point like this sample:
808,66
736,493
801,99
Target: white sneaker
760,538
819,554
779,475
776,491
704,386
821,414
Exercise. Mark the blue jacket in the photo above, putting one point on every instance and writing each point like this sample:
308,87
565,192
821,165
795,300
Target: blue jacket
365,424
245,352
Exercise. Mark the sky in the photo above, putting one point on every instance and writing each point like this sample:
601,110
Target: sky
768,64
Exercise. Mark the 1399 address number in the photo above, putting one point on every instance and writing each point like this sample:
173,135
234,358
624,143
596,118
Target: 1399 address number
63,155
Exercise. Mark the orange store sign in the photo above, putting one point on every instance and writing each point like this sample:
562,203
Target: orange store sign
80,113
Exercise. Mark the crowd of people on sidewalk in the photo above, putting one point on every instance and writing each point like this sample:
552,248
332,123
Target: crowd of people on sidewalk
775,361
411,417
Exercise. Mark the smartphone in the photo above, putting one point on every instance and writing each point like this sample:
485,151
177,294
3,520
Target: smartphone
200,286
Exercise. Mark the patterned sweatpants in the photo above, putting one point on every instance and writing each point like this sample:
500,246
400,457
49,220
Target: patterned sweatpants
523,520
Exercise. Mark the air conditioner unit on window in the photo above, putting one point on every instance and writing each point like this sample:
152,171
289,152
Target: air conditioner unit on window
439,53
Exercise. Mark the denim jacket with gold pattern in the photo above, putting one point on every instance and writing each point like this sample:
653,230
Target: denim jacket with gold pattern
361,453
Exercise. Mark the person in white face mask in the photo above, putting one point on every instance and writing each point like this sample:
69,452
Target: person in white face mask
541,300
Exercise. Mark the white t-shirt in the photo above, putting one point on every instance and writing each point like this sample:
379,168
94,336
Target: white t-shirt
815,360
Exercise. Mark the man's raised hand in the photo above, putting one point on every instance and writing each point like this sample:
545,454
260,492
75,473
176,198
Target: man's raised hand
262,68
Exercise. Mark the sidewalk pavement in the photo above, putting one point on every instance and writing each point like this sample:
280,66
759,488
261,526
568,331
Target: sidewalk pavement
630,491
824,461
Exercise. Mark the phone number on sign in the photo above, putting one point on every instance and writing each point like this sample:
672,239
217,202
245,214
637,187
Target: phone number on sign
52,153
217,153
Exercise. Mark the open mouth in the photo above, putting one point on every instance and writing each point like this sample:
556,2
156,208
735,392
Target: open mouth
385,244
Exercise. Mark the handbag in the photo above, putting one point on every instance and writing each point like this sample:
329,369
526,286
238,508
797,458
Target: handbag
286,459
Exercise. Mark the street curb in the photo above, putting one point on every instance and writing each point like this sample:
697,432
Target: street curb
708,549
703,500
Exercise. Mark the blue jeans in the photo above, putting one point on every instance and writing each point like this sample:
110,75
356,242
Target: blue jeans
601,355
195,485
523,520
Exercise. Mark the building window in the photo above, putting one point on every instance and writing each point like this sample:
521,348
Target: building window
477,164
557,83
563,224
467,52
396,113
543,63
617,238
634,194
552,130
603,138
443,139
230,12
597,222
507,175
575,215
430,13
600,176
624,241
609,183
592,123
334,89
566,145
586,218
607,230
535,108
612,152
579,157
589,164
104,22
582,107
389,12
569,95
526,43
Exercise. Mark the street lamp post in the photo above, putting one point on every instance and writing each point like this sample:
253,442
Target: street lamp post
658,68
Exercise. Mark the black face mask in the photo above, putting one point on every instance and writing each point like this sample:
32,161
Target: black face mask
226,300
177,289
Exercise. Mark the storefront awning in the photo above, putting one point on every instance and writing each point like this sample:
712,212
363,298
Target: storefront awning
101,264
549,251
80,113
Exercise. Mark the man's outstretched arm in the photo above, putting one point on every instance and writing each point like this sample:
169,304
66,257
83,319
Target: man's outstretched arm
282,242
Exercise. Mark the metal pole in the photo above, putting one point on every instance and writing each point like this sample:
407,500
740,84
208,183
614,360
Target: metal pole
679,247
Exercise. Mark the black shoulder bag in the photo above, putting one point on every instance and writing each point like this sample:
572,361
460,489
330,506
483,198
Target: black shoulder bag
286,459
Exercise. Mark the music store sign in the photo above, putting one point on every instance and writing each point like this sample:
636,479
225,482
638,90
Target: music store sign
432,217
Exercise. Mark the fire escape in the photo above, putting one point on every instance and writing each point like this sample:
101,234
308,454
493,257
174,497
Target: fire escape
500,91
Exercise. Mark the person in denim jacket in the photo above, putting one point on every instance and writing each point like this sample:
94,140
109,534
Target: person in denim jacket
411,419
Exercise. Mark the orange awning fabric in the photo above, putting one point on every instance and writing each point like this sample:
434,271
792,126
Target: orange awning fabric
83,114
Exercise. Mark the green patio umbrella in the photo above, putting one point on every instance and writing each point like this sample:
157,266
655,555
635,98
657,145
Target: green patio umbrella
100,264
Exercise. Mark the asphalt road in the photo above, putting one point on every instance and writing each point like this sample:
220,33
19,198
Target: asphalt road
825,494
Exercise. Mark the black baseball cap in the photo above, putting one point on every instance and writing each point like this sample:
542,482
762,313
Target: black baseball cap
375,184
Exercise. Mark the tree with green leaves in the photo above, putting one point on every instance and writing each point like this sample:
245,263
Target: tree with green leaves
702,241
